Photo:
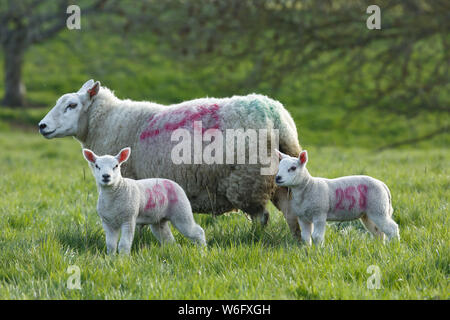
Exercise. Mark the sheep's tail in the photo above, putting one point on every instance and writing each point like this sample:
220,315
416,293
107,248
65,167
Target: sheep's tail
288,139
391,209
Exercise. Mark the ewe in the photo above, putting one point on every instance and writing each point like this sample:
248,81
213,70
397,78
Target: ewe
124,203
316,200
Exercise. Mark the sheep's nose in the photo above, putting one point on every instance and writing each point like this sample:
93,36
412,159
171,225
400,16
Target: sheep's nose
277,178
42,126
106,176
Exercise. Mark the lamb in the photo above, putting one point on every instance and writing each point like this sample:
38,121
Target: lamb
104,124
317,200
124,203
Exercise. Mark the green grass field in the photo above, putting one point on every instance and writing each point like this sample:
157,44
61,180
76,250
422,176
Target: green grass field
48,196
49,223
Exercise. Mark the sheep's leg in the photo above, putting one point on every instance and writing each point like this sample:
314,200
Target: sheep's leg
126,239
187,226
307,228
261,218
372,227
162,232
318,234
112,236
386,225
281,202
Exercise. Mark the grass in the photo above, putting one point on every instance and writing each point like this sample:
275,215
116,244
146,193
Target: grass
49,223
48,196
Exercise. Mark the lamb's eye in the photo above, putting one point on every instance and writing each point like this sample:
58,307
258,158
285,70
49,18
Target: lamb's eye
97,167
116,167
292,168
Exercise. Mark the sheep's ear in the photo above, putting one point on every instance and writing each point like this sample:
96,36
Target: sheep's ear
85,87
89,155
280,154
93,90
303,157
123,155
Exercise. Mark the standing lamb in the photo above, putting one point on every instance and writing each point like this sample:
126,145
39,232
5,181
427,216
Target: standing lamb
105,124
124,203
316,200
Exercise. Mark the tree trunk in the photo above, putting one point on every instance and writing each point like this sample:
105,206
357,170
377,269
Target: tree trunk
14,89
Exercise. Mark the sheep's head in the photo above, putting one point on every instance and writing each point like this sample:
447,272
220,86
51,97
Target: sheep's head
291,170
106,168
63,119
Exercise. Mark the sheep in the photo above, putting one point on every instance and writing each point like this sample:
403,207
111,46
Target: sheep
124,203
104,123
317,200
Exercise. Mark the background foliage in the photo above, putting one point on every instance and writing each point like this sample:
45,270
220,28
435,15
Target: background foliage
350,90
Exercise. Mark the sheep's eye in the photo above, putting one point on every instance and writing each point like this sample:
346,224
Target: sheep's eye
71,106
97,167
292,168
116,166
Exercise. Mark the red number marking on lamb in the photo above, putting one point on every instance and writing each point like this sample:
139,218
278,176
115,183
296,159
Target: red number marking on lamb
151,203
171,193
340,198
159,194
349,195
362,189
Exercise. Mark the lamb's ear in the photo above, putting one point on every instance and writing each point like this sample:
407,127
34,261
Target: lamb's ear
86,86
93,90
303,157
123,155
89,155
280,154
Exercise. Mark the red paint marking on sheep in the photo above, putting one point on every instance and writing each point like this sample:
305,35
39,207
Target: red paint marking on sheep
156,197
171,193
362,188
151,203
189,116
348,194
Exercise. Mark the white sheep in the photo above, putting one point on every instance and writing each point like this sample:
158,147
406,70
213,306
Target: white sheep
124,203
105,124
317,200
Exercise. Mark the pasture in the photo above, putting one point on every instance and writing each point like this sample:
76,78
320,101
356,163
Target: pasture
48,219
49,223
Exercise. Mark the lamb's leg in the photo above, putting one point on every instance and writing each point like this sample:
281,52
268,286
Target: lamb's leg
307,228
319,231
112,236
372,227
162,232
185,223
386,225
126,239
281,201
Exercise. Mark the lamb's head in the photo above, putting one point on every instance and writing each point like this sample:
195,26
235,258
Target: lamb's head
291,171
106,168
63,119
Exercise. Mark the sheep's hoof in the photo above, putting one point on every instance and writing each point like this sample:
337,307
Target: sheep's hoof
262,218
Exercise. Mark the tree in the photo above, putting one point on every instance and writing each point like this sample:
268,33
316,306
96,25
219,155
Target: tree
23,24
401,69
